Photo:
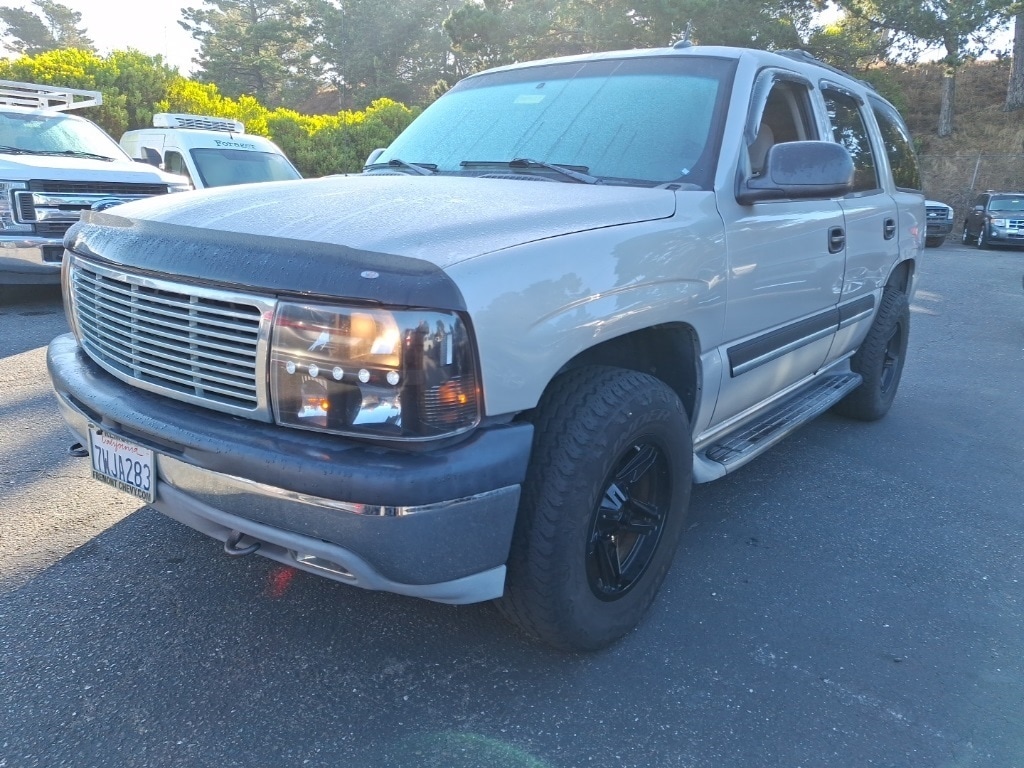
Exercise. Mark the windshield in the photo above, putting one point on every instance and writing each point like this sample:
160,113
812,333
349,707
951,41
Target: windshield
223,167
37,132
646,120
1007,204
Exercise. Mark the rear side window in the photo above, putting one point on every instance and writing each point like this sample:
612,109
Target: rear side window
849,129
898,147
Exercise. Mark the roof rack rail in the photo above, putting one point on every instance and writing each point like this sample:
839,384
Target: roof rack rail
798,54
36,96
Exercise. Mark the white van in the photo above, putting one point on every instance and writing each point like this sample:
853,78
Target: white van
210,151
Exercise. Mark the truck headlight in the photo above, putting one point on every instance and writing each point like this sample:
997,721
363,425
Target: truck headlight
401,374
7,209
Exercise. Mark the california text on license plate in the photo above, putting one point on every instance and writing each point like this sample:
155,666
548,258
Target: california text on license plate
122,464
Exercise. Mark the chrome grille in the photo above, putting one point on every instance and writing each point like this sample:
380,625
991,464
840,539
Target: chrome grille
53,206
202,346
104,188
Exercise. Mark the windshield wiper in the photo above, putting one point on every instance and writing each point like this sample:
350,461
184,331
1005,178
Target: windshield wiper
8,150
581,175
77,153
424,169
574,172
57,153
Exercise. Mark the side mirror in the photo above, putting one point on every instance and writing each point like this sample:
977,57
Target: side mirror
151,156
799,170
372,157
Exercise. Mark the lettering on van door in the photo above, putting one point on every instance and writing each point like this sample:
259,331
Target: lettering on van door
234,144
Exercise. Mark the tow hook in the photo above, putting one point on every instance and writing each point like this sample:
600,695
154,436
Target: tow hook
78,450
231,545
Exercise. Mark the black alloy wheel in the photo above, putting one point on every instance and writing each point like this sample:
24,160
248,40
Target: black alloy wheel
629,521
602,508
879,360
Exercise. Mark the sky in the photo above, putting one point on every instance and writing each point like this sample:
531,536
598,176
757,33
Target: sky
149,26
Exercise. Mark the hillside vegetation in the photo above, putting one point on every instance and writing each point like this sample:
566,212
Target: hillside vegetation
986,150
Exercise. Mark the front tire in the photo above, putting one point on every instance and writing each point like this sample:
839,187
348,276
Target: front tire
983,241
934,242
880,360
603,508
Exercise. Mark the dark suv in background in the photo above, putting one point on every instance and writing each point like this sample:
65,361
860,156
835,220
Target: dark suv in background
996,218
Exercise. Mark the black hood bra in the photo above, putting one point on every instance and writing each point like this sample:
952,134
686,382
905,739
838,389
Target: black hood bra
262,264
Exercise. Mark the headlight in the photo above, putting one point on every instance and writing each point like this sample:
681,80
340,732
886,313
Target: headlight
949,213
182,187
403,374
998,222
7,223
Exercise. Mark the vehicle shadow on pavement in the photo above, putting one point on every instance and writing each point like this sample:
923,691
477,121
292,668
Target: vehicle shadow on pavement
18,306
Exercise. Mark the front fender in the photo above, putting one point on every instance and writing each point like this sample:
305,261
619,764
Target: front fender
536,306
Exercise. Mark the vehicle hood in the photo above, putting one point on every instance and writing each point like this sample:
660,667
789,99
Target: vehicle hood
25,167
439,219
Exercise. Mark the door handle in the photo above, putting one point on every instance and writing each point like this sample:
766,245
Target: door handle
889,229
836,239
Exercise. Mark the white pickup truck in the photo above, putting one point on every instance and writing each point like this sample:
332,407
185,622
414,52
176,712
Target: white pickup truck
52,167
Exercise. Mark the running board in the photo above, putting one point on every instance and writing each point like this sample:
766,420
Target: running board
735,449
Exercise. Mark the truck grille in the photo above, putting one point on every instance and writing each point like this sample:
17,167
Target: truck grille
199,345
106,188
53,231
53,206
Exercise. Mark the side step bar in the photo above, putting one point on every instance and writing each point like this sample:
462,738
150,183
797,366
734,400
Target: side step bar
735,449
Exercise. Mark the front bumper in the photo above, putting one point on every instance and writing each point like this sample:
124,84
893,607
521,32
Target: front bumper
30,260
1006,235
939,228
433,523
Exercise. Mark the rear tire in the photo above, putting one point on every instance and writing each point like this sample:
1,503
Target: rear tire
880,360
603,508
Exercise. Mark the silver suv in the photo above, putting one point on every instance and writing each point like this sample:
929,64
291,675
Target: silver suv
492,365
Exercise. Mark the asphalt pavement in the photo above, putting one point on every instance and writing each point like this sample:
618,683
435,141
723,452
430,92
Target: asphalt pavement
852,598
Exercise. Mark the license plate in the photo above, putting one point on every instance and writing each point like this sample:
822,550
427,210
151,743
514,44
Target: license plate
122,464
